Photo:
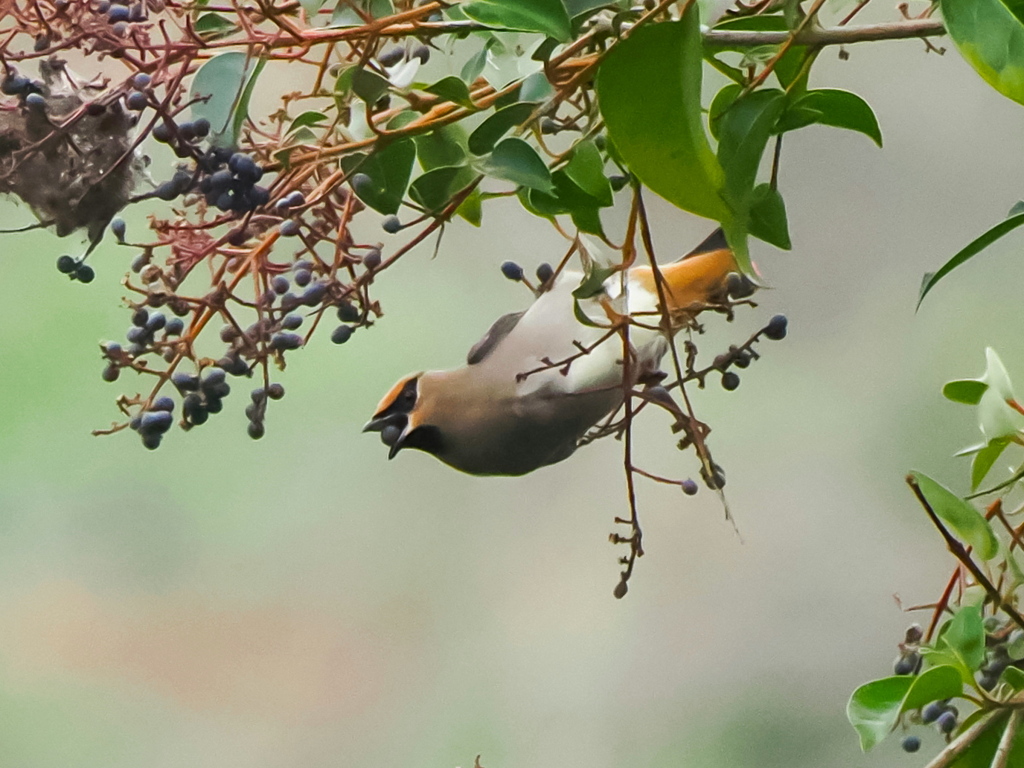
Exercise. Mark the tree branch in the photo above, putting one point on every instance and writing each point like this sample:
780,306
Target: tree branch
897,30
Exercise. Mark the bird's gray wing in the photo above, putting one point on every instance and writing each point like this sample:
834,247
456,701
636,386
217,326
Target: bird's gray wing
502,327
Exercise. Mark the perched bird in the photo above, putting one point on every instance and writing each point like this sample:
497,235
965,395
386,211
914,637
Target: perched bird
540,379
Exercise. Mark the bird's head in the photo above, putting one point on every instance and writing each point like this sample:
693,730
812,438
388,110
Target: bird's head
403,417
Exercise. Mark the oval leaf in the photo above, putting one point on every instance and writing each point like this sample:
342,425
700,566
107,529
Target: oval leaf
452,89
586,169
648,89
967,391
768,217
389,170
546,16
486,135
875,707
221,90
435,189
516,161
842,109
965,521
983,460
743,133
990,35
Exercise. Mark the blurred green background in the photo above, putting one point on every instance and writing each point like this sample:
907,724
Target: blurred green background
301,601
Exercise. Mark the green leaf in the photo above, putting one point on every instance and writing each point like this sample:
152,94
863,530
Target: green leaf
213,26
452,89
722,101
975,247
475,64
586,169
442,147
367,85
306,119
965,521
796,117
389,169
649,92
312,6
768,217
743,133
435,189
593,281
516,161
588,220
990,35
984,459
224,83
472,209
487,134
1013,677
967,391
964,635
546,16
842,109
535,88
875,707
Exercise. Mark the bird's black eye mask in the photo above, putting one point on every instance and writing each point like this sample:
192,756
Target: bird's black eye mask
392,421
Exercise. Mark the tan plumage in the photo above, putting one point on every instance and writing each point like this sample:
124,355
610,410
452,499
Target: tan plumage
490,418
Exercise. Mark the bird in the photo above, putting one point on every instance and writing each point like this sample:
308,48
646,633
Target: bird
540,379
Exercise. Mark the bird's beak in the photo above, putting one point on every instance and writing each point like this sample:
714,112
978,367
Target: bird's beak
393,428
376,425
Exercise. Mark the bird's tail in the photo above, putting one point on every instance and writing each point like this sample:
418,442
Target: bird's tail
698,279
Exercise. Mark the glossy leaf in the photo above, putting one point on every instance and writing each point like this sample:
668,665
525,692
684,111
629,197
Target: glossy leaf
213,26
964,635
435,189
722,101
307,119
971,250
546,16
452,89
843,109
312,6
516,161
743,134
487,134
990,35
965,521
472,209
983,460
649,91
768,217
442,147
389,170
345,14
586,169
875,707
222,87
367,85
967,391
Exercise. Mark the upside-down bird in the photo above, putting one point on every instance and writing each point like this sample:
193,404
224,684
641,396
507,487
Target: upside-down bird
540,379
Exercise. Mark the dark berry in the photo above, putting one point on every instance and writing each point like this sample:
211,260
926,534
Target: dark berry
544,273
141,81
547,125
930,712
120,29
137,12
15,85
776,328
112,349
911,744
220,181
348,312
294,199
213,377
285,340
84,273
371,259
111,372
291,322
689,487
290,301
162,133
314,294
194,410
620,590
906,664
730,381
163,403
259,196
155,422
341,334
156,322
302,277
256,430
258,395
35,101
391,56
244,168
137,335
742,358
174,326
391,224
946,722
289,228
201,128
66,264
140,317
185,382
280,284
422,53
618,182
152,440
136,101
118,228
275,391
512,271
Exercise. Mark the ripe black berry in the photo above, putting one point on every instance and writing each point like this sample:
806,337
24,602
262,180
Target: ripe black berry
776,328
930,712
111,373
906,664
136,101
66,264
155,422
422,53
141,81
285,340
946,722
730,380
391,224
256,430
275,391
174,326
289,228
371,259
689,487
512,271
391,56
341,334
544,273
84,273
291,322
911,744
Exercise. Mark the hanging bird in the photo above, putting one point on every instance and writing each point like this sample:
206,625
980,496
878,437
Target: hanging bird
541,378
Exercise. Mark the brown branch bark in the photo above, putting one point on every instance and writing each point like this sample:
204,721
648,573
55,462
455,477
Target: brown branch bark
897,30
